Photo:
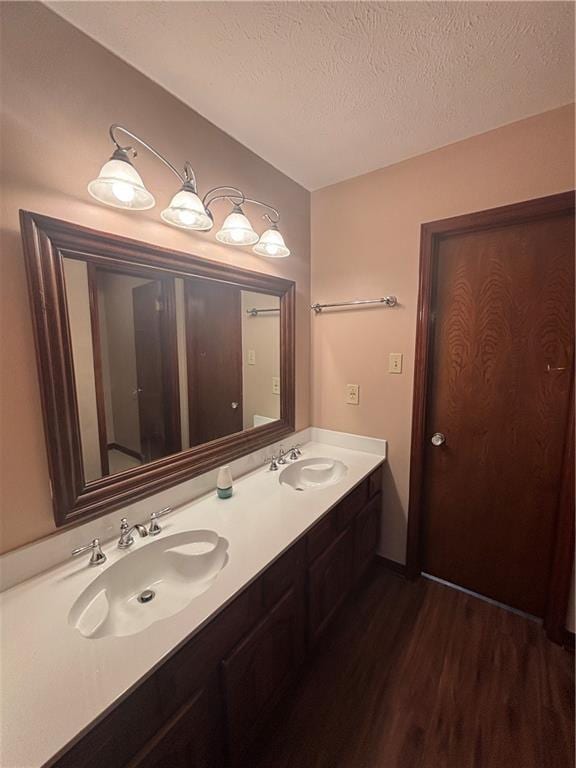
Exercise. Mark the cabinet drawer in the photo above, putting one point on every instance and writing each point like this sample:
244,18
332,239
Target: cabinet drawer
366,535
329,581
259,668
114,740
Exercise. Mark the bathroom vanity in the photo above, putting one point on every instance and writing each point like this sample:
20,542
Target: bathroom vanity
208,701
192,689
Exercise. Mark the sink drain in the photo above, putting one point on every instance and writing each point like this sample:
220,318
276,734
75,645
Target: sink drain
146,596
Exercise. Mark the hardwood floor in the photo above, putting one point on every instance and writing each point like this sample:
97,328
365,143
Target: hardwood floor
418,675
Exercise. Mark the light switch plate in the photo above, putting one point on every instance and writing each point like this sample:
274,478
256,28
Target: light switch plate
395,362
275,385
251,357
352,394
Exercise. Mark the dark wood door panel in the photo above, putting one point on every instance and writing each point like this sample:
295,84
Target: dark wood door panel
500,383
366,534
116,738
260,667
194,738
329,580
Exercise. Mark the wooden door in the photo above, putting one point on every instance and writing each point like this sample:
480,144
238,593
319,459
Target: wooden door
157,368
499,388
214,353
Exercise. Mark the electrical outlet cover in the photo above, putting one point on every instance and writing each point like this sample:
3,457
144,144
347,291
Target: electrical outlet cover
352,394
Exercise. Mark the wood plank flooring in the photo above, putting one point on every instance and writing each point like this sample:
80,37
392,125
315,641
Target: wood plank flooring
418,675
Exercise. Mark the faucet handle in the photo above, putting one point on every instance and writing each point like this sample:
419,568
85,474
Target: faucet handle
154,529
273,461
97,557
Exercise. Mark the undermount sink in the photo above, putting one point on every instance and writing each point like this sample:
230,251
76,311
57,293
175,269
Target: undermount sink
149,584
313,473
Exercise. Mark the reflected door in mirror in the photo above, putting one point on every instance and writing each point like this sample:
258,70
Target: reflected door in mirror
214,349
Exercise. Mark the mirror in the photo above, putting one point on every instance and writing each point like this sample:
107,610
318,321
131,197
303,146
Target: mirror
154,365
164,363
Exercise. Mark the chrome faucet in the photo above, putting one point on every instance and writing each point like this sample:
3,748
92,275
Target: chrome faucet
126,539
292,453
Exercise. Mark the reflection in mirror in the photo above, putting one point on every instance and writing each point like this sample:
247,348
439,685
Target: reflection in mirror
165,363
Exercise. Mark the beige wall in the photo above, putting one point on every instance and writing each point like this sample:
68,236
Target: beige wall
365,243
60,91
261,334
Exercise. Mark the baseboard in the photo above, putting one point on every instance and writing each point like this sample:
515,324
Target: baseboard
127,451
392,565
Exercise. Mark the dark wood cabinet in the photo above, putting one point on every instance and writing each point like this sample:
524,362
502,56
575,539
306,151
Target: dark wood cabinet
329,581
206,703
260,668
120,734
366,535
192,738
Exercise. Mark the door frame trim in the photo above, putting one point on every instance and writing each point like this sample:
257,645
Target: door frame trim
431,234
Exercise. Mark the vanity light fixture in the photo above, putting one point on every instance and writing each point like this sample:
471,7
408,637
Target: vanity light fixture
236,229
119,184
271,243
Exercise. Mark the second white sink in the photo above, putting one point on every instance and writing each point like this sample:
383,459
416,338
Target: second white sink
149,584
313,473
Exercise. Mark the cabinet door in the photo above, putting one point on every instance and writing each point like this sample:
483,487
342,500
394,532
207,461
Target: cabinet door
329,581
366,534
119,736
193,738
260,667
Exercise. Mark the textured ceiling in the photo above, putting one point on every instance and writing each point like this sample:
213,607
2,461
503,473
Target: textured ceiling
326,91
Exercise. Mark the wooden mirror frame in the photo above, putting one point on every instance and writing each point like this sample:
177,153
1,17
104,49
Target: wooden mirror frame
46,242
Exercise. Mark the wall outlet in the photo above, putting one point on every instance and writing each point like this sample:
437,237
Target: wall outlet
352,394
275,385
395,362
251,357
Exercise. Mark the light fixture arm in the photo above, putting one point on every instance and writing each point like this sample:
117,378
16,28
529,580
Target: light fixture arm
238,198
187,177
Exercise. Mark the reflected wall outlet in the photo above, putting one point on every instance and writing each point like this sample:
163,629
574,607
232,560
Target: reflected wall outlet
395,362
352,394
275,385
251,357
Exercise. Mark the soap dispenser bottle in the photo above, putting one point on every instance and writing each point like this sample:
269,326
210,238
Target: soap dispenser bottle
224,483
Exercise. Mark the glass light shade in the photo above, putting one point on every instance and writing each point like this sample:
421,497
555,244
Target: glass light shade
119,184
272,244
187,212
236,229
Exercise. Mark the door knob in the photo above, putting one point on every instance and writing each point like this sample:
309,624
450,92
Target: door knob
234,405
438,439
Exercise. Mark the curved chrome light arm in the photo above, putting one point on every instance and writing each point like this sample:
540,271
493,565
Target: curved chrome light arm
238,198
187,178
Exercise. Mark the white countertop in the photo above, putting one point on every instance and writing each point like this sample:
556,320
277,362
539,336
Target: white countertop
55,682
